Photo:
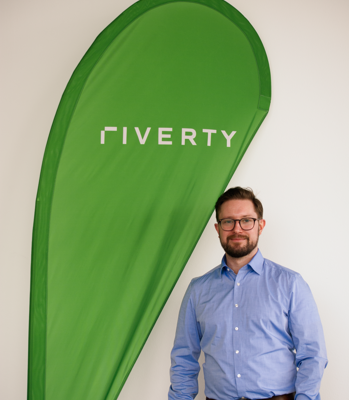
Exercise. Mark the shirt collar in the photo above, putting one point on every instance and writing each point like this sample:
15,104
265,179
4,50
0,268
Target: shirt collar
256,263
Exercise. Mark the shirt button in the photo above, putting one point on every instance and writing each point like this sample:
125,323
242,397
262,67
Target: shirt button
236,305
236,328
238,283
239,376
237,352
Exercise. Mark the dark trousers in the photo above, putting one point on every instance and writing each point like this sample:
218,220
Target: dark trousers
289,396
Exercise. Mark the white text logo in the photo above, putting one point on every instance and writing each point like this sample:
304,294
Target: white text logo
188,135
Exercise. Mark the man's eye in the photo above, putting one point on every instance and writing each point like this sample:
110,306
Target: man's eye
246,220
228,221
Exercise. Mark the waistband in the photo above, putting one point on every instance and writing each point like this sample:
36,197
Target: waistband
288,396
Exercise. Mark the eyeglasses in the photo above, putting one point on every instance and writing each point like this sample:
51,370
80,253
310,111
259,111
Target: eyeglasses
246,224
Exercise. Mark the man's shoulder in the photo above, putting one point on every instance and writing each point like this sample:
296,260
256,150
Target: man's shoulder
280,271
201,286
208,278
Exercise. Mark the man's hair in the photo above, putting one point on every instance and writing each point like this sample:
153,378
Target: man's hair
239,193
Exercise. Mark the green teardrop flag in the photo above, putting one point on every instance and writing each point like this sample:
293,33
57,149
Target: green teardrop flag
149,131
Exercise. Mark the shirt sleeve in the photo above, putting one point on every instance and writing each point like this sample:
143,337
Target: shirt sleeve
308,338
185,353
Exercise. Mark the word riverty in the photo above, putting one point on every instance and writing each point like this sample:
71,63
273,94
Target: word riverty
188,135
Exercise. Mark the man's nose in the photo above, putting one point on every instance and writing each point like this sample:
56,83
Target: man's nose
237,227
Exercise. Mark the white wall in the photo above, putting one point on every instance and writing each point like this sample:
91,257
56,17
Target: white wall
297,163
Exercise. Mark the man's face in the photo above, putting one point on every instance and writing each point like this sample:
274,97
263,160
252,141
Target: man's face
239,243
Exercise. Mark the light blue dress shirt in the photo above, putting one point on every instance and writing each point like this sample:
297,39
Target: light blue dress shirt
255,328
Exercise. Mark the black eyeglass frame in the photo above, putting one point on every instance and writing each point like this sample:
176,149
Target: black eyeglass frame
238,220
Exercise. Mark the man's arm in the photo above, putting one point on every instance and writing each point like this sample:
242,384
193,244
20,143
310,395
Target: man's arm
308,338
185,353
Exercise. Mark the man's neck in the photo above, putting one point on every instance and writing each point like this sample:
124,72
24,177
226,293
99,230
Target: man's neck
235,264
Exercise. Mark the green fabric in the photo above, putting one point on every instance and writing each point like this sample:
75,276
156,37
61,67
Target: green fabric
119,213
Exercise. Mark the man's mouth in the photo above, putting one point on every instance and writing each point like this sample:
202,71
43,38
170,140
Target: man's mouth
237,238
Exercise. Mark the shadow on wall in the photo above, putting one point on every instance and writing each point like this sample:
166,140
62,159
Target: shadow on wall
201,395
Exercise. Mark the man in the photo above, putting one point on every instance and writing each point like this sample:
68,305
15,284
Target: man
256,322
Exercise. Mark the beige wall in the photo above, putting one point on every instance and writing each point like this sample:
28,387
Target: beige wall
297,163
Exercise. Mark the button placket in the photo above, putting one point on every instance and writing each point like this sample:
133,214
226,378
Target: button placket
237,335
238,311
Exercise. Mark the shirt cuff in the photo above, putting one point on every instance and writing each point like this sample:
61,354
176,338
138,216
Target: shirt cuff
302,397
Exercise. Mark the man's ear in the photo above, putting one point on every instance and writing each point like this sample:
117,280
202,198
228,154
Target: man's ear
261,225
217,228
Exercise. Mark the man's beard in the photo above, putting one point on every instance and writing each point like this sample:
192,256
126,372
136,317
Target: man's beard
238,251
